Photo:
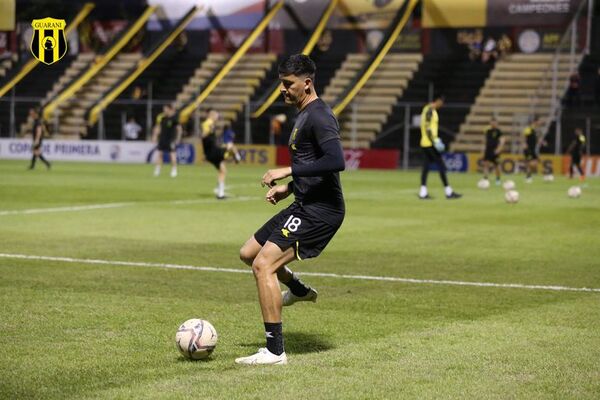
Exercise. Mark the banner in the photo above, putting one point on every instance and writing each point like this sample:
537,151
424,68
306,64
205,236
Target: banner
455,162
480,13
589,164
355,158
250,154
530,12
79,150
515,163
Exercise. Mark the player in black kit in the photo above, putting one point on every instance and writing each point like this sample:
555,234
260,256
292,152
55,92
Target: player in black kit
494,142
575,150
38,138
304,228
167,133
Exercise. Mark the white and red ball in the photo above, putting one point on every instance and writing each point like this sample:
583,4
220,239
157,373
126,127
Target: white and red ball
196,339
511,196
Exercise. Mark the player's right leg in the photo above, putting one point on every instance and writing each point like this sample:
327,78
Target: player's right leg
221,175
486,168
173,156
158,162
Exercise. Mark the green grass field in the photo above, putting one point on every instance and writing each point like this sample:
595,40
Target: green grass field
71,329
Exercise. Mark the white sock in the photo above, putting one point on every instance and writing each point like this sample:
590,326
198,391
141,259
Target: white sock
448,190
423,191
174,171
221,189
157,170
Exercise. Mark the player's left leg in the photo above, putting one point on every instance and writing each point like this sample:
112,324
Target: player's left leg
450,194
265,266
173,156
298,290
221,175
486,168
497,171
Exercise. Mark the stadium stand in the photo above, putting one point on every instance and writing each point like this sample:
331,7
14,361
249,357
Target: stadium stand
6,65
515,90
456,77
374,102
234,90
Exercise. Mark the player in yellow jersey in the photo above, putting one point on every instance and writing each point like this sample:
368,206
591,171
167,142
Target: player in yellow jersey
432,147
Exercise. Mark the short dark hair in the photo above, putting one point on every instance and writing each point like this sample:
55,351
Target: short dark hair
439,97
299,65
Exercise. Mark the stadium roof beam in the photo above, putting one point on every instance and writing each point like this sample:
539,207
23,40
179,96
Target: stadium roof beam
312,41
99,63
184,114
33,62
384,47
148,59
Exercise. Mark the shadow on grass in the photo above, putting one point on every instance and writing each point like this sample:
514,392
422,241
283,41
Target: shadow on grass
299,343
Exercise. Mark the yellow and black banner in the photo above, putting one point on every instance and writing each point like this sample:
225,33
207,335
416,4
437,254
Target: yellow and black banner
48,43
481,13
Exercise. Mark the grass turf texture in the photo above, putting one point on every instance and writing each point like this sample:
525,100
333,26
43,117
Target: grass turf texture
73,330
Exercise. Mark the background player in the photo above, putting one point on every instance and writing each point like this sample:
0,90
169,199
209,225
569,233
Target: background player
304,228
214,153
38,138
531,147
432,146
168,134
575,150
494,143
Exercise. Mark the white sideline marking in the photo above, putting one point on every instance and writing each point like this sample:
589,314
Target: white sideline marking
319,274
66,209
118,205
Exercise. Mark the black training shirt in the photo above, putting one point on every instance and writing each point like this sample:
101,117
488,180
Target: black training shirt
315,126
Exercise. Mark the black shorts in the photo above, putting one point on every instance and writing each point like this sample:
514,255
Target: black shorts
491,156
215,156
298,228
166,146
432,155
530,154
576,159
37,146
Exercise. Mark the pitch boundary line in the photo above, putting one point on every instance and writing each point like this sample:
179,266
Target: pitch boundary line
316,274
118,205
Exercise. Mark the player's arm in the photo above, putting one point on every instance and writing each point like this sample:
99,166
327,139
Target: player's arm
501,143
179,131
155,133
428,129
572,146
332,160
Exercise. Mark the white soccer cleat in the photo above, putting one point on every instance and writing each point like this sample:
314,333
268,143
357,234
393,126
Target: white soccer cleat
263,357
173,173
290,298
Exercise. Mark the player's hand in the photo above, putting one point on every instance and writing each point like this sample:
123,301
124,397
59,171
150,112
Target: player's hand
277,193
439,145
269,179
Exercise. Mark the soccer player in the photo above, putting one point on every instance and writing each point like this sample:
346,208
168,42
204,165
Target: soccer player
575,150
38,138
432,147
214,153
531,147
494,142
304,228
168,134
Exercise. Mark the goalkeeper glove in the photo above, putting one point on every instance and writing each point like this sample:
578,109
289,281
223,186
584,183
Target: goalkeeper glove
439,145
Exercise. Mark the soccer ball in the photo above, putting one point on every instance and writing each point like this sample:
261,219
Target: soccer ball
196,339
549,178
508,185
574,192
483,184
511,196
